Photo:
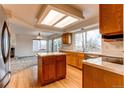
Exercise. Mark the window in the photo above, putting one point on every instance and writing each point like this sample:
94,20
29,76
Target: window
50,47
39,45
89,41
57,44
93,42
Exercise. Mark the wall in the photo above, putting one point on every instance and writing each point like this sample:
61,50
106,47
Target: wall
23,45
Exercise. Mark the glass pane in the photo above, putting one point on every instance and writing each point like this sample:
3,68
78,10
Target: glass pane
93,42
39,45
57,44
89,41
50,45
79,41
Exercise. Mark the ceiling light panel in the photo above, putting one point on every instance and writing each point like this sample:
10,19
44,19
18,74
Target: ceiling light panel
52,17
66,21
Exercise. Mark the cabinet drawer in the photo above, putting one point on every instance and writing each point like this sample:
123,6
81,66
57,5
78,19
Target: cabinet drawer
48,59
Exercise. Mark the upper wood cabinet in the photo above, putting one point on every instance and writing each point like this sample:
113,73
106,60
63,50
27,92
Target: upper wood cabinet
111,19
67,38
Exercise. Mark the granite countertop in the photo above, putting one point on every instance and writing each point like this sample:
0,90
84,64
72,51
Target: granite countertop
91,53
51,54
98,63
98,53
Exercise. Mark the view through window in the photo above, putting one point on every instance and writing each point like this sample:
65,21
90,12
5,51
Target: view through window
57,44
39,45
89,41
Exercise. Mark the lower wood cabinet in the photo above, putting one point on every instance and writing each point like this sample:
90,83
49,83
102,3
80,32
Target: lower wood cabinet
48,69
60,67
99,78
74,59
51,68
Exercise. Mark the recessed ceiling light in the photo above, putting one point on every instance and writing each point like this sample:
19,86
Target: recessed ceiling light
52,17
66,21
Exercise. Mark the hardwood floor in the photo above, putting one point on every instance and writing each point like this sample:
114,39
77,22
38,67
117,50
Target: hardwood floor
28,79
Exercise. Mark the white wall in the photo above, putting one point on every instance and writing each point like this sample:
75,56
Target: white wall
23,45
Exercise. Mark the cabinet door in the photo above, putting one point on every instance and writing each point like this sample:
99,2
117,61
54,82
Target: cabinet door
63,39
68,58
113,80
87,77
49,69
98,78
111,19
73,59
60,67
80,60
67,38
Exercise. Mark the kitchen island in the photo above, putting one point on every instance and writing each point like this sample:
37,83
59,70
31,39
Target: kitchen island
51,67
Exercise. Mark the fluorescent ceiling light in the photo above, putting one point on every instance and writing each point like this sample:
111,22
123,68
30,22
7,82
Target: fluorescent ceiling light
52,17
66,21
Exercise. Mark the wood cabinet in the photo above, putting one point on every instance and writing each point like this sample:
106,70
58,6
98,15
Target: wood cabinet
51,68
74,59
60,67
99,78
111,19
80,57
67,38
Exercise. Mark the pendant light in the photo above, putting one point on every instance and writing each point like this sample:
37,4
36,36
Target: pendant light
39,36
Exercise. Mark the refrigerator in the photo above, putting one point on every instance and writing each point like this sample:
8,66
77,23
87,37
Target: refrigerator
4,50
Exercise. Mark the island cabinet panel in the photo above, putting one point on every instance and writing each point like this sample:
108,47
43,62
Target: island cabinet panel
111,19
98,78
61,67
51,68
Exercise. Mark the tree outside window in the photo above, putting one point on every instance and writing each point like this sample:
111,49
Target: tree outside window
57,44
89,41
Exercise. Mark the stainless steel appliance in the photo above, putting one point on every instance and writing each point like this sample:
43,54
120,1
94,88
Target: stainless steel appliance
4,49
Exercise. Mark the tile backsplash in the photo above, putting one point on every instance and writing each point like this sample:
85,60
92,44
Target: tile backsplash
112,48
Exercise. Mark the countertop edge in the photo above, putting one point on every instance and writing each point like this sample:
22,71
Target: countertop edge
104,68
50,54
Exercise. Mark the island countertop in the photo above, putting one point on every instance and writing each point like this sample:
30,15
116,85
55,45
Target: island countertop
108,66
51,54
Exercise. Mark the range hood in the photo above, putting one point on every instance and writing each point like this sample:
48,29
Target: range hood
118,37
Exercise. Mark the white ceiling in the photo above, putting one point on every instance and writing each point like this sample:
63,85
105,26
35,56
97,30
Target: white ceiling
88,10
28,14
